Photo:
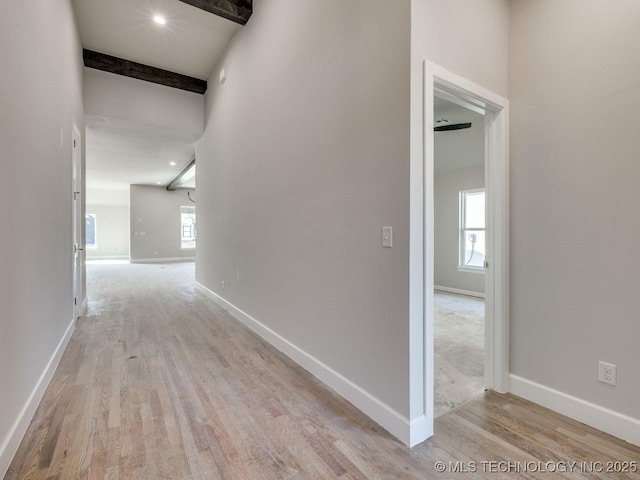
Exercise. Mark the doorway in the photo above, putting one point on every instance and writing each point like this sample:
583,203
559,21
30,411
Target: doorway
459,255
495,109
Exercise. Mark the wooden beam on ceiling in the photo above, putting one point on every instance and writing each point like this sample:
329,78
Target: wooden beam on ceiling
237,11
120,66
176,182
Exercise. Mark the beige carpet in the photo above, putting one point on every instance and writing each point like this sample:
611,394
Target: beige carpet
459,350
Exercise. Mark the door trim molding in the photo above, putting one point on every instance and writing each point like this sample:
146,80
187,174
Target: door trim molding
78,298
463,92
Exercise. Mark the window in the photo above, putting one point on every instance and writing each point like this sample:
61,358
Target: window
188,231
90,231
472,230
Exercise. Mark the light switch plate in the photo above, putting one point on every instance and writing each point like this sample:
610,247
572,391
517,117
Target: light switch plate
387,237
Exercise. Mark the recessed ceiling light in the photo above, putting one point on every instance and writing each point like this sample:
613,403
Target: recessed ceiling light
158,183
159,20
173,164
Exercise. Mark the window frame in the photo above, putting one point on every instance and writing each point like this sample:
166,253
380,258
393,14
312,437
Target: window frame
462,231
195,228
94,245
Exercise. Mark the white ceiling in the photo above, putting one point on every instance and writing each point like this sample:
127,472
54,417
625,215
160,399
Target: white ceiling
121,153
190,43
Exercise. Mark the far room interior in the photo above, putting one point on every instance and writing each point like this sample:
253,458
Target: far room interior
459,279
140,170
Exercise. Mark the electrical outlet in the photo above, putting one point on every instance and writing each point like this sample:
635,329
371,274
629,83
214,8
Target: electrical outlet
607,373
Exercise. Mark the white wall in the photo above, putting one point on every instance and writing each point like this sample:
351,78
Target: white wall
112,222
96,196
40,99
156,212
471,39
305,157
447,188
124,98
575,97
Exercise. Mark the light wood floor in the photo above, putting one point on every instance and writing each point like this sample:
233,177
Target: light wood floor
158,382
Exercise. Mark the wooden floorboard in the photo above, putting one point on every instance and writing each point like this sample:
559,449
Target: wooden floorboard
158,382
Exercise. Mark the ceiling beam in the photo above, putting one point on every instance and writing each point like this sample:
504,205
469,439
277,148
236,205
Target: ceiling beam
120,66
176,182
237,11
453,126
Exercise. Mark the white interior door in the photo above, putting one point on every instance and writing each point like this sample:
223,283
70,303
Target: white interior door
78,240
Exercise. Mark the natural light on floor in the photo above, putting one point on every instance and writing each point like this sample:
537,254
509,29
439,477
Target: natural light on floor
108,262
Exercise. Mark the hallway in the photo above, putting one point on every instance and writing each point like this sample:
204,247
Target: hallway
159,382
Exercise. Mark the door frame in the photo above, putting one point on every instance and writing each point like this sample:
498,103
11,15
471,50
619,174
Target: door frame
452,87
78,243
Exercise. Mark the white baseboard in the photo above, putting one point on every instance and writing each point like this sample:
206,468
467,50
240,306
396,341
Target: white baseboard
459,291
409,432
164,260
613,423
12,441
